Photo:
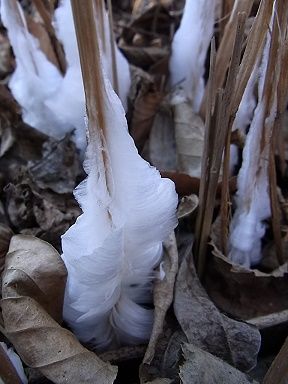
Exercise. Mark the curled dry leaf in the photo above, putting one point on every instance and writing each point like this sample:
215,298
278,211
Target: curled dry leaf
34,279
205,327
201,367
189,135
33,268
245,293
187,206
163,294
163,297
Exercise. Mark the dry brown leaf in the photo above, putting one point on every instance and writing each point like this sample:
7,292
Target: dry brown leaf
34,268
145,109
163,294
40,212
144,57
201,367
34,273
59,166
187,205
5,236
163,297
189,136
245,293
161,146
205,327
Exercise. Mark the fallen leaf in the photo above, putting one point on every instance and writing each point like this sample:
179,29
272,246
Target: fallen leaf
34,268
59,167
205,327
245,293
5,236
44,213
163,297
201,367
145,108
144,57
189,136
161,146
163,293
34,279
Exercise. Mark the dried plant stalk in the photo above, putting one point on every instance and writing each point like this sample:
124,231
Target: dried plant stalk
47,19
221,121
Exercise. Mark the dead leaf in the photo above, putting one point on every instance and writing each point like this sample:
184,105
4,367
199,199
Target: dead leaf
5,236
189,136
201,367
34,271
185,185
42,212
59,167
245,293
163,297
144,57
161,146
34,268
163,293
187,206
233,341
145,108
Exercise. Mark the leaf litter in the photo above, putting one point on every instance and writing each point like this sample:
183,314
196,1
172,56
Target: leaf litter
206,330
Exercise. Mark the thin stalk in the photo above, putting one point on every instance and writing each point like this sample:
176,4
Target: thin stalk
221,121
99,5
225,195
113,50
208,145
47,19
224,51
89,52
